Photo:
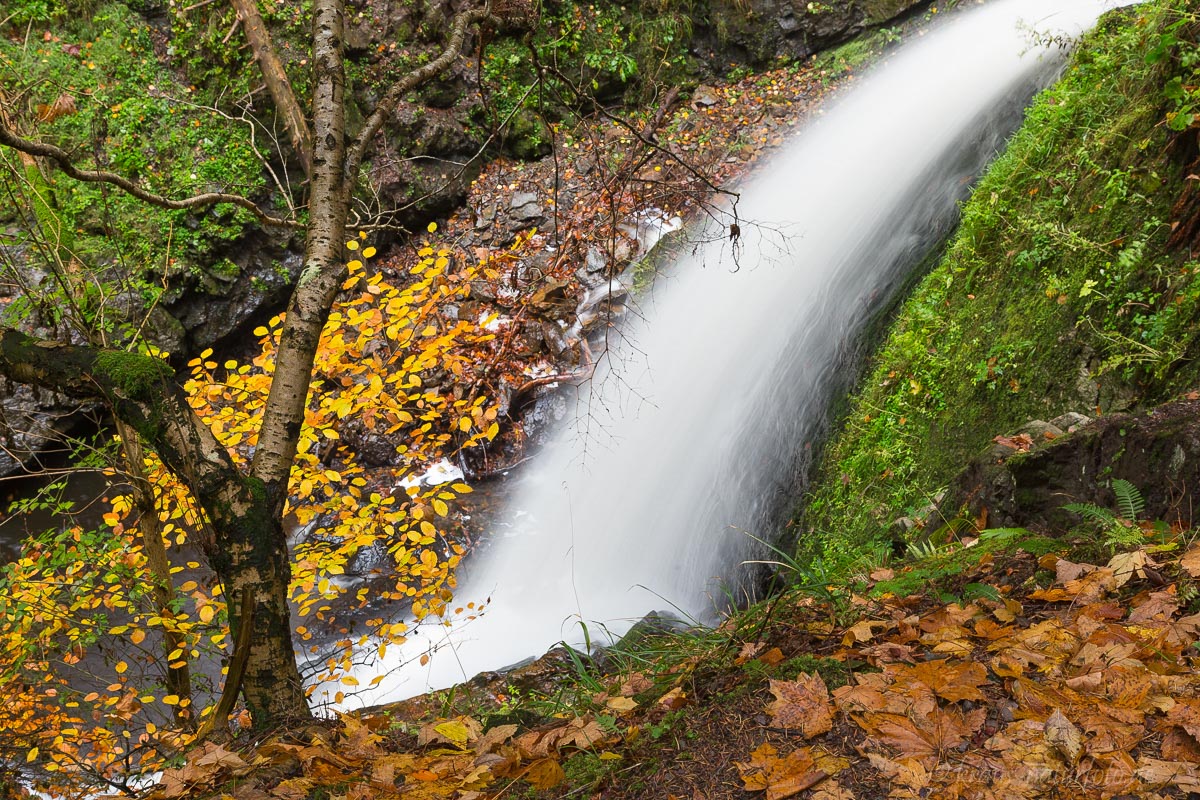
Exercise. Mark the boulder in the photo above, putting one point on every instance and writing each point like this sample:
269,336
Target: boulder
756,32
1158,451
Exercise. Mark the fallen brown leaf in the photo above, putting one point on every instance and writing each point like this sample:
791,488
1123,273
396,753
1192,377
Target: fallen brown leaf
802,704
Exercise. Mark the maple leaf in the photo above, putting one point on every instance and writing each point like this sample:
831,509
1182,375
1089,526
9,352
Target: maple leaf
802,704
923,736
951,682
494,737
1026,752
545,773
864,631
909,773
886,652
458,732
636,683
785,776
1159,774
1125,566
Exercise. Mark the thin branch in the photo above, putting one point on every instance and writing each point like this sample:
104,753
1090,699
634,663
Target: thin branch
63,159
412,80
647,137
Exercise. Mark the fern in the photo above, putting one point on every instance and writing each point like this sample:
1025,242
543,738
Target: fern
1093,513
920,551
1130,502
1121,529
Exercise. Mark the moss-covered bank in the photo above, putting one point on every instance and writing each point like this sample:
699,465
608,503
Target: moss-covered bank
1057,294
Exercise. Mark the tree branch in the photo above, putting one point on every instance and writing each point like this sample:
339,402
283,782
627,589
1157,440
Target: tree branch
63,159
141,392
412,80
277,81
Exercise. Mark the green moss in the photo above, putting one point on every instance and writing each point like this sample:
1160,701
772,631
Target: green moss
136,376
1057,294
126,120
257,489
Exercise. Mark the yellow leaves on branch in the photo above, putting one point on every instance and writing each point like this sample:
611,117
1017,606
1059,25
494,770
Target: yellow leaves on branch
390,366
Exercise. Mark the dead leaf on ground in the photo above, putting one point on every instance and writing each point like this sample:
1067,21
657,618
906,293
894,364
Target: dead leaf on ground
788,775
1189,562
802,704
545,773
1062,734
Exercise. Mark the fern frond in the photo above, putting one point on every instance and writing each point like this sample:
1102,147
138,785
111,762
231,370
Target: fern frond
1092,512
1130,502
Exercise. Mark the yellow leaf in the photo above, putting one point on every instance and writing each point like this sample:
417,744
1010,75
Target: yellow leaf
32,754
441,508
171,700
464,424
350,680
493,430
432,227
350,245
121,667
368,252
138,636
207,612
455,731
545,774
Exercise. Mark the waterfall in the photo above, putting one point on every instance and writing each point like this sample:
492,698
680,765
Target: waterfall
689,440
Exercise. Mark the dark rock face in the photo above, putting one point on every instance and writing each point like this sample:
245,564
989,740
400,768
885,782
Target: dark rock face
1157,451
757,31
228,298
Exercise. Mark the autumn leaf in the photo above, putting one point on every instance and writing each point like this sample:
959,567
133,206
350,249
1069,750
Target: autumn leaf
802,704
783,776
1189,562
545,773
1065,737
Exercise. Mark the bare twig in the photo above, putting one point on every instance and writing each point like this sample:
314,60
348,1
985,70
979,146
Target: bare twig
409,82
63,159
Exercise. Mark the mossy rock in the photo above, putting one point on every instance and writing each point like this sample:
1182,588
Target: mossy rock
1030,312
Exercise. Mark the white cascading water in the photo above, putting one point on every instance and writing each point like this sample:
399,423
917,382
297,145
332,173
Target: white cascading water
692,434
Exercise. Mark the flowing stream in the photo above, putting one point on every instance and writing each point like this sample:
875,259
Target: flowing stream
692,438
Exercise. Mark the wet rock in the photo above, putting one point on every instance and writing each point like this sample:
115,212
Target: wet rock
32,420
552,335
220,305
1040,431
486,216
592,273
371,559
1157,451
1070,421
522,199
524,207
704,96
757,32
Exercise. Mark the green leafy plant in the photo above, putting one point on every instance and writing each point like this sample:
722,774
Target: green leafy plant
1120,529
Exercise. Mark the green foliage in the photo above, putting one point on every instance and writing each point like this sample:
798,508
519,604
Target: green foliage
122,109
139,377
1056,294
1120,529
936,569
604,49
